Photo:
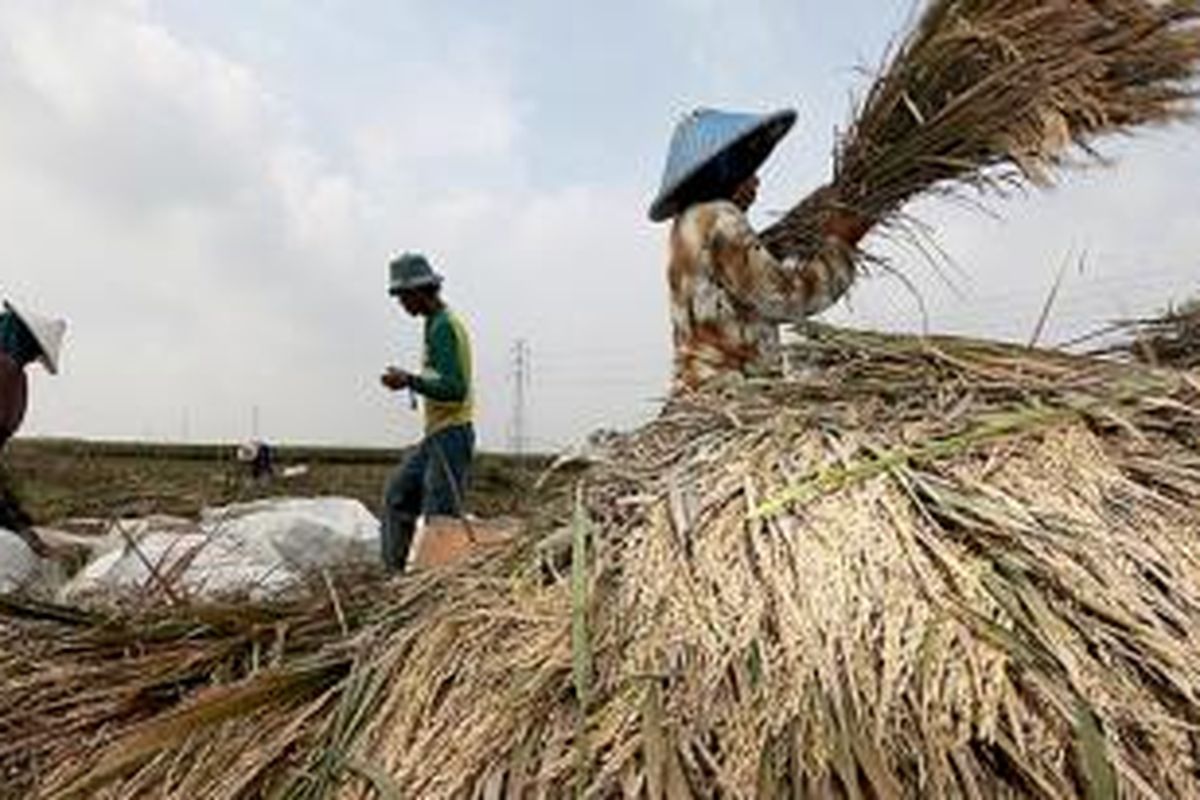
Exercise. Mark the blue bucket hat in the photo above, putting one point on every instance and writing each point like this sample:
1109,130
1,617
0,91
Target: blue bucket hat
712,152
411,271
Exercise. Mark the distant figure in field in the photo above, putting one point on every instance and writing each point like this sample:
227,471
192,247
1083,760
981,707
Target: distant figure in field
262,467
24,338
728,293
433,479
260,458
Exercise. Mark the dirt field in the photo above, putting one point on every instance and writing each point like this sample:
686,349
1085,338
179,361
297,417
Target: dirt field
59,479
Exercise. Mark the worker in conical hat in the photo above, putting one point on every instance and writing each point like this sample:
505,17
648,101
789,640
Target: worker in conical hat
728,293
25,337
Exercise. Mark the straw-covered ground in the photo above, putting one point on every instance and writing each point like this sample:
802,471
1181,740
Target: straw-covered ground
926,567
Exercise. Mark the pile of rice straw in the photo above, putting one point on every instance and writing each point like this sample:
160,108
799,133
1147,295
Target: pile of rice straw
929,568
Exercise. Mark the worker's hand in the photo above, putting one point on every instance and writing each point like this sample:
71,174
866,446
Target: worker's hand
396,379
847,226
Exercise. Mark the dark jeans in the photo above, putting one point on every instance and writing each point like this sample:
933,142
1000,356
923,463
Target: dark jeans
12,516
431,481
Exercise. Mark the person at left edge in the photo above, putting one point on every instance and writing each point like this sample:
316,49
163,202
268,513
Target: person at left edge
25,337
433,479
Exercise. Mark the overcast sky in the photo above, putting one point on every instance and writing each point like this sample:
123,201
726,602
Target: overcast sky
210,192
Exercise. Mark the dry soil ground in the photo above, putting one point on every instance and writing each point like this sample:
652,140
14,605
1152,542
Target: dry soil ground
60,479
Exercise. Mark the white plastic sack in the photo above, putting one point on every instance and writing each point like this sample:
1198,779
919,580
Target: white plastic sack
19,567
254,549
21,570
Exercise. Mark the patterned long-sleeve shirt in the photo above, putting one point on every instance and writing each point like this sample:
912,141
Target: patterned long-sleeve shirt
729,294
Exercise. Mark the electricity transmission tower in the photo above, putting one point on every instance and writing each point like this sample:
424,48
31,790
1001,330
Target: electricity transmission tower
520,377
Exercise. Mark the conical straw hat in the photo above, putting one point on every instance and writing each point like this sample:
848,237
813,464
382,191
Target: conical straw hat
712,152
48,333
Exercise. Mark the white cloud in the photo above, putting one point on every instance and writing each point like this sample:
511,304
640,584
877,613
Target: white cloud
451,110
119,106
211,260
164,205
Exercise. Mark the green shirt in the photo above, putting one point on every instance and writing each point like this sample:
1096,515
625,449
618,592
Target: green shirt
445,382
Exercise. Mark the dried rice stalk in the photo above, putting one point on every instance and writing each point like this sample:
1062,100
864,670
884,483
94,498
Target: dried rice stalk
1169,340
993,94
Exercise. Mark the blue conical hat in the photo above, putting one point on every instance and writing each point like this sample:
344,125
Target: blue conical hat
712,152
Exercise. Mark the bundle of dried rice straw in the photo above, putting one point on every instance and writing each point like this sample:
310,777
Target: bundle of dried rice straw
938,568
993,94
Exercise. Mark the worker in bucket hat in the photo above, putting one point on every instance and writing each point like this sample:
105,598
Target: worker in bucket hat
432,480
25,337
728,293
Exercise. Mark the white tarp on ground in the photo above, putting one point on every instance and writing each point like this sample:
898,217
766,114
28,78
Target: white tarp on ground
18,565
22,571
256,549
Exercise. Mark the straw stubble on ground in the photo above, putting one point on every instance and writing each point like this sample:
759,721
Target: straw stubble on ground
931,568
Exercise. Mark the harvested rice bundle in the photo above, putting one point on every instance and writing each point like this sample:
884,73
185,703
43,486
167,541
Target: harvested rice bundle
994,94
